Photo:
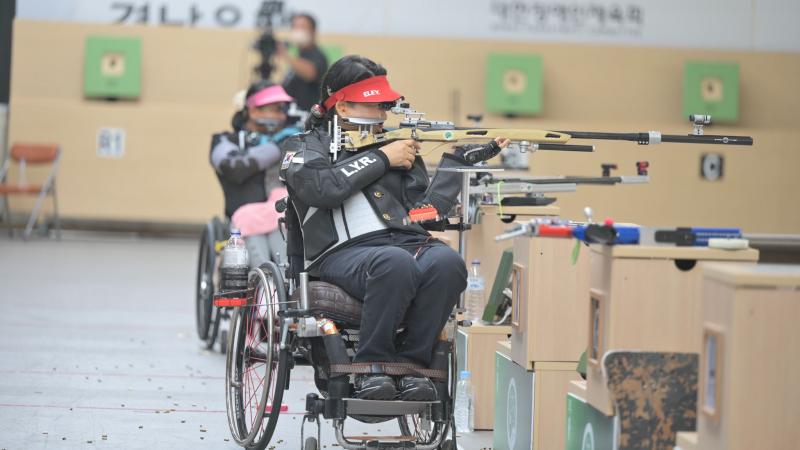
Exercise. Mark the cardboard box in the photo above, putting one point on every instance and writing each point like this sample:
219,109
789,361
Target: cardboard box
480,238
747,395
644,298
549,301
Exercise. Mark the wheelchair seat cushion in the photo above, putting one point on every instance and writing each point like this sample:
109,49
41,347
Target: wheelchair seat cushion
333,302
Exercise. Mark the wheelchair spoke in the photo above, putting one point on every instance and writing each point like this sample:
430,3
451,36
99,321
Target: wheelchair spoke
252,369
421,428
253,395
250,390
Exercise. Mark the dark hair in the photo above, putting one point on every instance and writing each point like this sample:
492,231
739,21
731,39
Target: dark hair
309,18
344,72
240,117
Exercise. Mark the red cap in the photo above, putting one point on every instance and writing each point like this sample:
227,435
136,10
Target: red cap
372,90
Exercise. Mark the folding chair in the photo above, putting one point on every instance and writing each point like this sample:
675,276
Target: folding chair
24,155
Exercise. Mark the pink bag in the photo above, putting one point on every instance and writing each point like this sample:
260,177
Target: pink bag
259,218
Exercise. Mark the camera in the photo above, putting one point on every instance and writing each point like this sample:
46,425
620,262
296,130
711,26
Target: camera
266,44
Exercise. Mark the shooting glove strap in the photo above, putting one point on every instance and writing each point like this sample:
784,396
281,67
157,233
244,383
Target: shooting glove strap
478,153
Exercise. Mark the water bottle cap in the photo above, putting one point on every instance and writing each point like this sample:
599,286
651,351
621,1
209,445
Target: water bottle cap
235,232
475,261
465,374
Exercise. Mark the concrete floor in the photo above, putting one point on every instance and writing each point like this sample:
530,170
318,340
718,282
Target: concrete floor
98,350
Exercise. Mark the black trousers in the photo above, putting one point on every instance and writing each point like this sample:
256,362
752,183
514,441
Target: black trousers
402,279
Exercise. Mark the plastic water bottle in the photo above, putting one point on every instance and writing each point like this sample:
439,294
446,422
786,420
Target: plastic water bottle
465,404
475,296
235,265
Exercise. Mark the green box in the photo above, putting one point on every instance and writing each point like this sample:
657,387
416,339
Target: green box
514,84
711,88
501,281
513,405
112,67
587,428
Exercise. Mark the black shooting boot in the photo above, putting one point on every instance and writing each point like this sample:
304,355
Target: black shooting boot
418,389
375,387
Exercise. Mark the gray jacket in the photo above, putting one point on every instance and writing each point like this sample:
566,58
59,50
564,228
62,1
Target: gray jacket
343,202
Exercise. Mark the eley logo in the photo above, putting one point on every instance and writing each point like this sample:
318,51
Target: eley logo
370,93
357,165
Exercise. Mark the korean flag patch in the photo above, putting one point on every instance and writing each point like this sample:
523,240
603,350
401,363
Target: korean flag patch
289,159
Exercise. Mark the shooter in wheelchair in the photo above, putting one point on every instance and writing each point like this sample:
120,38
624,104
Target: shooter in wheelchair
366,292
246,161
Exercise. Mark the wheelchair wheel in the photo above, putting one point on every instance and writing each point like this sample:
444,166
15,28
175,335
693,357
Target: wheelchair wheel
215,228
257,368
206,261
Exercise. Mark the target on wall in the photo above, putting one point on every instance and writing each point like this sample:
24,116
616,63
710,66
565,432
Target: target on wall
514,84
711,88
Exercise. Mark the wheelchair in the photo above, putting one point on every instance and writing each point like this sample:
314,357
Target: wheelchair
208,318
287,319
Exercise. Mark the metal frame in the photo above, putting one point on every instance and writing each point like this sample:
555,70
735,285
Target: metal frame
48,188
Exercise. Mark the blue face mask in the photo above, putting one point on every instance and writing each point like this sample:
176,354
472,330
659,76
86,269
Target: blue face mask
271,125
254,138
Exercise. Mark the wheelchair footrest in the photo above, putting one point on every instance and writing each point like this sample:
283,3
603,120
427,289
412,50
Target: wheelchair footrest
355,406
382,438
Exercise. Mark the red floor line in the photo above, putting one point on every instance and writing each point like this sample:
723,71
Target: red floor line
119,408
80,326
107,374
124,374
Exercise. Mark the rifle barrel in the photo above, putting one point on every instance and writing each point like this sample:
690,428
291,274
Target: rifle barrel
708,139
562,180
567,147
655,138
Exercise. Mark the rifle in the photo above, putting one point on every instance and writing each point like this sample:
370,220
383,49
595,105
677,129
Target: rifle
415,126
609,233
493,190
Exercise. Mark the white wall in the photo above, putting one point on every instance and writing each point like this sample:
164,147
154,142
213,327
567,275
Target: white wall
769,25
